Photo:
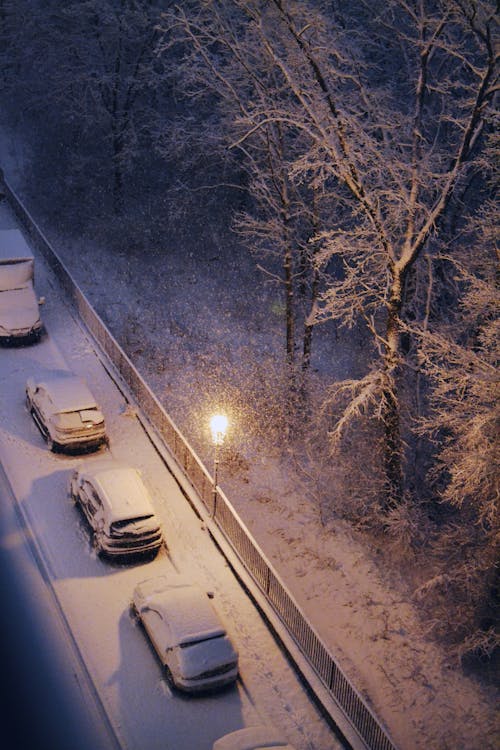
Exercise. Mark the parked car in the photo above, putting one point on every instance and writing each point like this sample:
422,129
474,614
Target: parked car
252,738
65,412
19,312
118,508
187,633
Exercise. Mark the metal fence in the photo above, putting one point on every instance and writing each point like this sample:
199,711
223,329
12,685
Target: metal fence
353,706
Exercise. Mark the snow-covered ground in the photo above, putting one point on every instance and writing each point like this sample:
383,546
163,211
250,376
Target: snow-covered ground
190,323
95,595
188,334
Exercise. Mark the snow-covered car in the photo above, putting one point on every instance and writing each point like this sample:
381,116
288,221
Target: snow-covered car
117,505
19,312
19,315
65,412
252,738
186,632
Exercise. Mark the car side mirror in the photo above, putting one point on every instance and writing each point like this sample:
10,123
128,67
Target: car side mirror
41,301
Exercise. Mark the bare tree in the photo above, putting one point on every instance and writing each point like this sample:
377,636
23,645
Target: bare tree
89,65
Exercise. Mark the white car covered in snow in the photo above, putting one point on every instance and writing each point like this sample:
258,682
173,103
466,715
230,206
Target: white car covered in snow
187,633
252,738
19,313
65,412
118,508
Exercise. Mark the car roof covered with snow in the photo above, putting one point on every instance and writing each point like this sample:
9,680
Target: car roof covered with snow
183,605
18,307
121,489
13,246
252,738
68,393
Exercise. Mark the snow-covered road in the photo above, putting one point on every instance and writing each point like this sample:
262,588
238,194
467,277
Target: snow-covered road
95,595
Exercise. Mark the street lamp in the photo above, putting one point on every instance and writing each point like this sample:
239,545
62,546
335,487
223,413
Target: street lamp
218,427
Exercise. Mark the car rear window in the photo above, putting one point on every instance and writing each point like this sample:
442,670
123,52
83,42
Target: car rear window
68,420
201,640
75,419
127,521
91,415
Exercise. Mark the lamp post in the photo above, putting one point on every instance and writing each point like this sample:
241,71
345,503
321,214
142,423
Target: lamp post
218,427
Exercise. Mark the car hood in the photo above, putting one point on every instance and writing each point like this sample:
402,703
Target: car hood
18,308
196,659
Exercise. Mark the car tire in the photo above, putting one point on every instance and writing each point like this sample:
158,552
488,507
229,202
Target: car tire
135,614
50,444
168,677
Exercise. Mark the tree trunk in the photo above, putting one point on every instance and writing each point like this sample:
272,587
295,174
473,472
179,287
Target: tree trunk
307,338
289,300
117,132
307,341
289,284
393,449
117,174
393,453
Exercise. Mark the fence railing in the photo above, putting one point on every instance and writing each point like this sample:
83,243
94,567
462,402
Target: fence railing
353,706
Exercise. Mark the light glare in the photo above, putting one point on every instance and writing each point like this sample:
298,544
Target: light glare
218,426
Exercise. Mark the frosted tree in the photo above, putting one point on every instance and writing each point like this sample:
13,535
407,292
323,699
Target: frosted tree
223,63
461,361
402,149
386,106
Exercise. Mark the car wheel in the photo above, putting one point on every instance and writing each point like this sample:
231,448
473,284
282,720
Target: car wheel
135,614
168,677
50,444
28,404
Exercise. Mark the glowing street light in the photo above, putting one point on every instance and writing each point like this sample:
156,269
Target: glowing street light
218,427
